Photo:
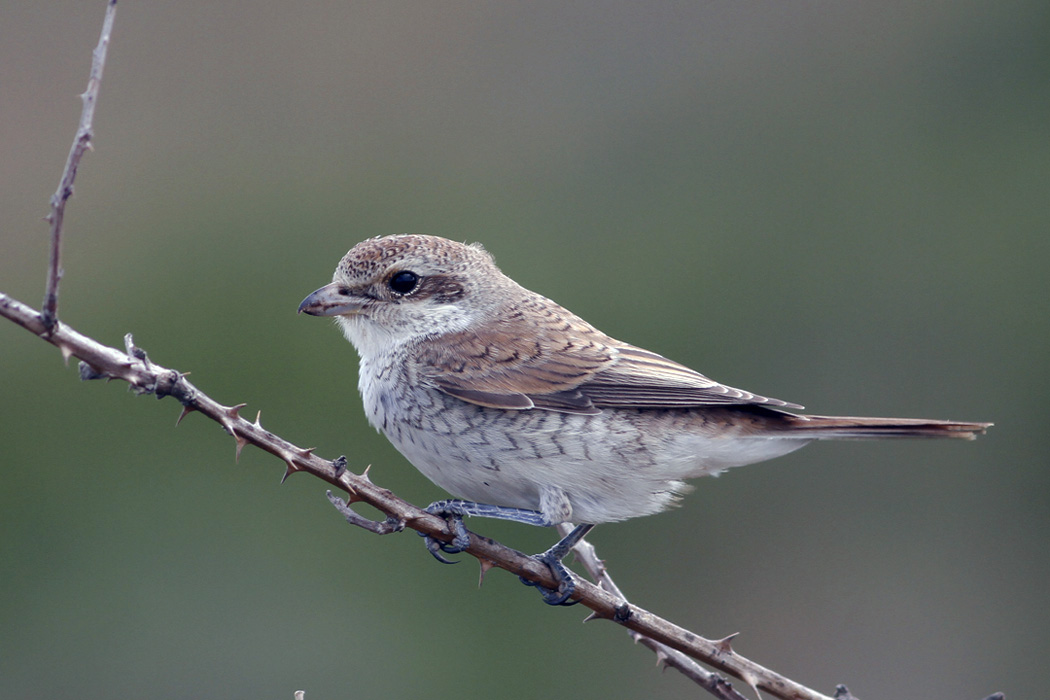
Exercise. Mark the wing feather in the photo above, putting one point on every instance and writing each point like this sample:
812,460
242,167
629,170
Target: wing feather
562,363
642,379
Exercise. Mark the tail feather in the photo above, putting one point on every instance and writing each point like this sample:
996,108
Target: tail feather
849,428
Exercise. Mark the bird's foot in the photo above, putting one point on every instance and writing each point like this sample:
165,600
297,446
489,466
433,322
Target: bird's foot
461,536
454,510
552,558
566,586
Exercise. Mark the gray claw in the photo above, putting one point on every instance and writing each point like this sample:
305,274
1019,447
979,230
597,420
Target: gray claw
566,586
460,540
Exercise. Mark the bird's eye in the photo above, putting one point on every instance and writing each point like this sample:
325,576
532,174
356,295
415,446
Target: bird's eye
404,282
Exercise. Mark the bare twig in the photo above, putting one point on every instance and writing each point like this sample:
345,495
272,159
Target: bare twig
147,377
81,144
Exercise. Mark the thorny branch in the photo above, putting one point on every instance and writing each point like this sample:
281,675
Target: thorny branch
132,365
673,645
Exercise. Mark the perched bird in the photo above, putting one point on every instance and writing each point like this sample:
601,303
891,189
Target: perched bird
527,412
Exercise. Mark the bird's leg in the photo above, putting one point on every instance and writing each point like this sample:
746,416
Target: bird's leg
552,558
454,510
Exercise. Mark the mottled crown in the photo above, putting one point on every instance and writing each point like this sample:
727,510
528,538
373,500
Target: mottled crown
375,256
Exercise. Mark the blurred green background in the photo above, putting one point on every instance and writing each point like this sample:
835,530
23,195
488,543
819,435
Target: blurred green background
840,204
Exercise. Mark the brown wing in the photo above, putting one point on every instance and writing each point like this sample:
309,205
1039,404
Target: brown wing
643,379
558,362
501,368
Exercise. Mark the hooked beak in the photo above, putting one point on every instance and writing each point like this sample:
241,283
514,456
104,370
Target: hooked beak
331,300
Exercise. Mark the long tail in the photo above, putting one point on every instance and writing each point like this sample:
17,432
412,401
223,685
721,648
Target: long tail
847,428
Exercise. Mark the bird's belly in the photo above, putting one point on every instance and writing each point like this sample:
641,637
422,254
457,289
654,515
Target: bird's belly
610,466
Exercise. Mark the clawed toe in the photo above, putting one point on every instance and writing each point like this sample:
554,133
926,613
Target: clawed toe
566,586
435,547
552,558
460,540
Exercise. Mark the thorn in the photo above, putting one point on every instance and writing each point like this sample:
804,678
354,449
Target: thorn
235,411
186,410
594,616
753,682
241,442
66,354
49,218
725,645
661,660
257,424
364,474
288,471
485,566
305,452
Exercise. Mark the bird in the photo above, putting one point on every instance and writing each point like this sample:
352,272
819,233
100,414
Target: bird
523,411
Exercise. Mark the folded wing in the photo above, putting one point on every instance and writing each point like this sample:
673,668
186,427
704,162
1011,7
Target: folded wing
566,366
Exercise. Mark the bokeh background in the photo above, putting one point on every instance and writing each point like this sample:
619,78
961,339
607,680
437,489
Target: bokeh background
840,204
